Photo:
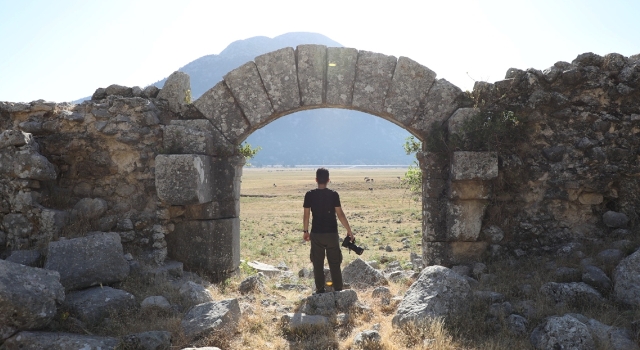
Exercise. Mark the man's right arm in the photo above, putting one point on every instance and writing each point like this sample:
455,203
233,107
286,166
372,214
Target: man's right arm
305,223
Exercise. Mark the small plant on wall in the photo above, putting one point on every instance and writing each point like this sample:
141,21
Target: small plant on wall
248,152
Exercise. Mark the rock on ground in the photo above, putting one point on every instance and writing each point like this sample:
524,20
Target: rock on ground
562,332
626,280
359,274
437,292
152,340
88,261
596,278
207,318
611,337
251,284
28,297
25,257
329,303
156,301
293,321
571,293
367,338
58,341
95,304
193,293
266,269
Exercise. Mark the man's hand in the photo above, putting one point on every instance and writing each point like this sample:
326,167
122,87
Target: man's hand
305,236
352,235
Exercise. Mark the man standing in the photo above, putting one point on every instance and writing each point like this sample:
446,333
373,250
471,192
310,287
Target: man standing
325,205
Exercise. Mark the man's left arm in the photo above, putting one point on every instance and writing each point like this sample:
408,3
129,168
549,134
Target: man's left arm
344,221
305,223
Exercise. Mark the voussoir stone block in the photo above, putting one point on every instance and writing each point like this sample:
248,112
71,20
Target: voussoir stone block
410,84
341,72
474,165
183,179
88,261
312,64
440,103
209,245
247,88
464,219
374,72
457,120
280,78
220,107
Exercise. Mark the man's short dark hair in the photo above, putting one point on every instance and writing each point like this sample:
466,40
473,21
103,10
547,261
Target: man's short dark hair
322,175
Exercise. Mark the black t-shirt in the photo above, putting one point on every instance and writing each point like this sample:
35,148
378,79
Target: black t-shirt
323,203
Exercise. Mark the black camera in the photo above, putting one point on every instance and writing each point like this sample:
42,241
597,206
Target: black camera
352,245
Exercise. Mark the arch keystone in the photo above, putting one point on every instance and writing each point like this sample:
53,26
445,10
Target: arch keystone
374,72
219,106
409,86
280,78
341,72
312,64
246,86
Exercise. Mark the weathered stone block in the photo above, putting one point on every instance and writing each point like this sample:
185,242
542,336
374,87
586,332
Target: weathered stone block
312,65
590,198
374,72
93,305
433,187
440,103
209,245
433,165
14,138
183,179
474,165
189,137
280,78
220,107
227,175
212,317
464,219
452,253
471,189
246,86
28,297
457,120
213,210
88,261
29,164
176,90
341,72
409,86
434,212
58,341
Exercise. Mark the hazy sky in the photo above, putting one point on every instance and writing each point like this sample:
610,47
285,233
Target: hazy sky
63,50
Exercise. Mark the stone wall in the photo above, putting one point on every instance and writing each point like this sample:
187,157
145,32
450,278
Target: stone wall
164,172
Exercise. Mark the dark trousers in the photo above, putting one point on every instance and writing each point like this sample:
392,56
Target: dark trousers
329,243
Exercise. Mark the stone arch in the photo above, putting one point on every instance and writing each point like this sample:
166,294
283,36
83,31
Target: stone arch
202,172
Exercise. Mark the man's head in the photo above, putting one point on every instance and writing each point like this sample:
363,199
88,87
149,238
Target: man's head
322,176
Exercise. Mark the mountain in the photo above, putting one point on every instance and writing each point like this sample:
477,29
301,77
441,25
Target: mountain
320,136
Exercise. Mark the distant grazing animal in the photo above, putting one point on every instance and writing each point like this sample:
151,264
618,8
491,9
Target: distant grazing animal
274,185
371,180
370,188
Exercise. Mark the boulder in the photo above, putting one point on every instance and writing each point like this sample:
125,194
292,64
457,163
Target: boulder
25,257
28,297
193,293
517,325
368,338
611,337
381,292
152,340
150,91
156,302
626,280
359,274
610,258
266,269
118,90
88,261
14,138
251,284
562,332
293,321
571,293
93,305
211,317
329,303
177,91
438,292
596,278
58,341
614,219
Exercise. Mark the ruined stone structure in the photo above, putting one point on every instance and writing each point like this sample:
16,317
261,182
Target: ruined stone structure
165,174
